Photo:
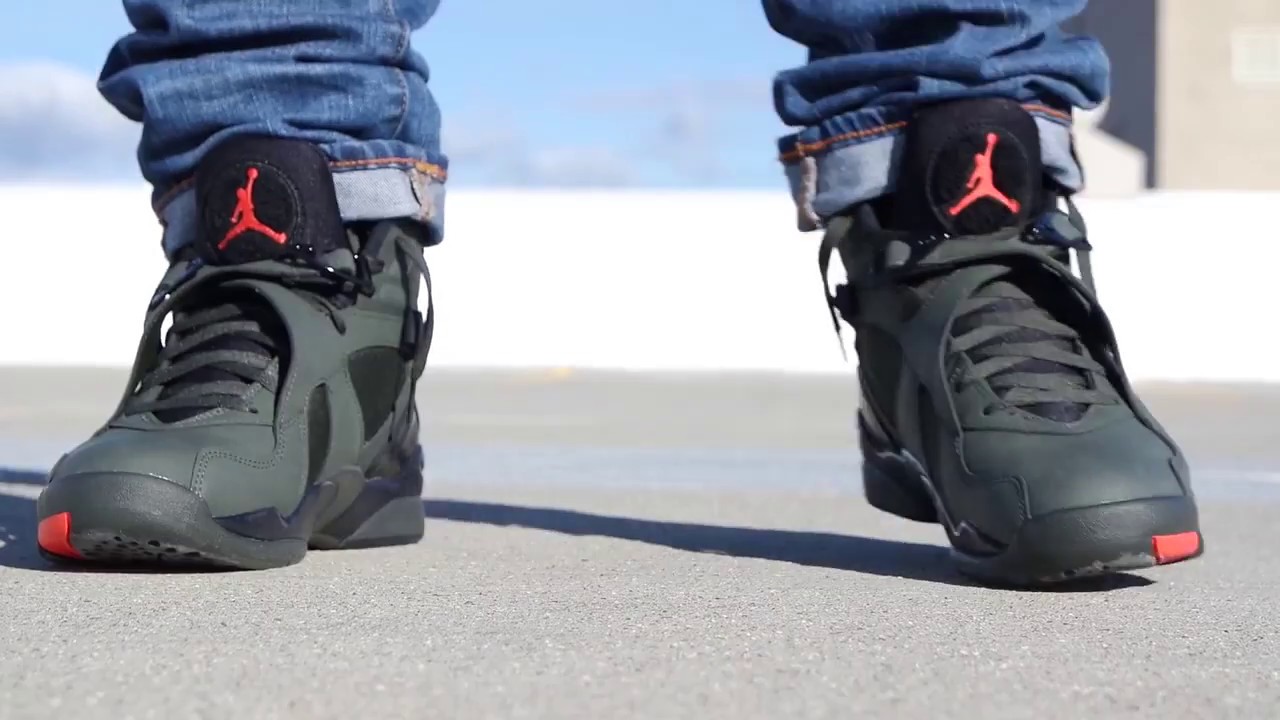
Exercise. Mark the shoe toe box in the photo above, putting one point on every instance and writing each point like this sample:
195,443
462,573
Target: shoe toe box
1118,463
119,451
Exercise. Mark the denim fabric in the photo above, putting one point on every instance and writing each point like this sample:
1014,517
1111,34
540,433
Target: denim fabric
341,73
873,62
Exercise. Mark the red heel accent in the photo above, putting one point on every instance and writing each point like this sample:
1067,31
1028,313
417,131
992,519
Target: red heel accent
54,536
1172,548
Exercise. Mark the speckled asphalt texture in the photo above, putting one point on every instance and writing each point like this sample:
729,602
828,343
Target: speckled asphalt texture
613,545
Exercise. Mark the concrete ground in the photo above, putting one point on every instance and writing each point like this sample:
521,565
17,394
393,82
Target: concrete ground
607,545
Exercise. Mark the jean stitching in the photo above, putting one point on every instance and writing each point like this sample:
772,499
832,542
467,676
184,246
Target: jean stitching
404,103
172,193
803,150
435,171
402,48
1046,110
431,170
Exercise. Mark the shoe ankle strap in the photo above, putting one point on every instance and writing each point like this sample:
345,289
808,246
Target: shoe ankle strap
872,255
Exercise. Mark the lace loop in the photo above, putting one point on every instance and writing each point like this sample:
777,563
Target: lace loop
1025,356
212,355
1008,341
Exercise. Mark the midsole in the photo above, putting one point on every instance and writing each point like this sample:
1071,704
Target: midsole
107,501
361,498
1127,523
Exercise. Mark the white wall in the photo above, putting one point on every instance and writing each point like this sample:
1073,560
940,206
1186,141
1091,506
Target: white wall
653,280
1113,168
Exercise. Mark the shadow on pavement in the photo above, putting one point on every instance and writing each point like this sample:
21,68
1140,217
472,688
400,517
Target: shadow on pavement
871,556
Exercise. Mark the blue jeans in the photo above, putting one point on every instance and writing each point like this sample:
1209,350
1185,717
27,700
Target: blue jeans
341,73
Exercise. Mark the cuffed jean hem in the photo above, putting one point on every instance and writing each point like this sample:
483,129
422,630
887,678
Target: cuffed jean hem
855,158
373,181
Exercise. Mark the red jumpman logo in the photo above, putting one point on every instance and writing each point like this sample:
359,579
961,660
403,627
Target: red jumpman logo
246,219
982,184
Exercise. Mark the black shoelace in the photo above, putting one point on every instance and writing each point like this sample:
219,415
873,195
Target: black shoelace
211,356
223,345
1030,360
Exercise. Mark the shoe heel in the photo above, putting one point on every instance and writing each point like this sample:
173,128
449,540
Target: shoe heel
893,493
891,483
399,522
388,511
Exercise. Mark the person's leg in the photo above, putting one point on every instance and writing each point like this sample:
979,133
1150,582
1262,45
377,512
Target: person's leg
872,63
935,148
337,73
294,151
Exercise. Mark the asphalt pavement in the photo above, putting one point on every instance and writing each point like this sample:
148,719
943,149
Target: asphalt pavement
623,545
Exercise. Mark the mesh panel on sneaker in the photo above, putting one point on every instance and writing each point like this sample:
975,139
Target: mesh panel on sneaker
377,375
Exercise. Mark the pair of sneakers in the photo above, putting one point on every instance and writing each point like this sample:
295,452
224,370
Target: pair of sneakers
277,413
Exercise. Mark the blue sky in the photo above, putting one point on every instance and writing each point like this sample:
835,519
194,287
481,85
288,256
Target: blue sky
672,93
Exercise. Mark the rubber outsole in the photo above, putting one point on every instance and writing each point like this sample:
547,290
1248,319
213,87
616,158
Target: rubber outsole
129,520
1053,548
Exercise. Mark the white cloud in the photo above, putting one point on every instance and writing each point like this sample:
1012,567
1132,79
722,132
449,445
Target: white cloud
718,94
685,140
54,125
577,166
668,133
685,120
480,155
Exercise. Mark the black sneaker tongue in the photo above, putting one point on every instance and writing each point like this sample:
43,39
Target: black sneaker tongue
969,167
973,167
260,198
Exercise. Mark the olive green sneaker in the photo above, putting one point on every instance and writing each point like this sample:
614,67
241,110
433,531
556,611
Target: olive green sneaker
277,412
993,397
